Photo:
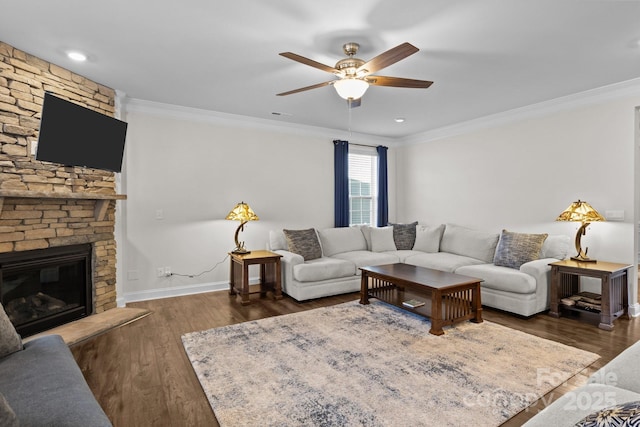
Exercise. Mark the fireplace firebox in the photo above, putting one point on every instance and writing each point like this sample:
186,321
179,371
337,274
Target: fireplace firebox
44,288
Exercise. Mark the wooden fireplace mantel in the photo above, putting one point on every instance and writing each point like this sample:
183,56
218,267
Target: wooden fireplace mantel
102,200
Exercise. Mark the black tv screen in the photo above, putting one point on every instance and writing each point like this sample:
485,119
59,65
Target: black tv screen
73,135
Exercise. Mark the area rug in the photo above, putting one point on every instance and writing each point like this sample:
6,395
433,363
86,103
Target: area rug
373,365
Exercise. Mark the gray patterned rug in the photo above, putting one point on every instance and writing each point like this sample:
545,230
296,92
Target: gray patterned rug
374,365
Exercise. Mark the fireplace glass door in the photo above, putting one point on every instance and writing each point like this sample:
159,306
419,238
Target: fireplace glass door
45,288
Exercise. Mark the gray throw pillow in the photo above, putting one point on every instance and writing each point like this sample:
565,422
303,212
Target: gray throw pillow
515,249
404,235
10,341
304,243
7,416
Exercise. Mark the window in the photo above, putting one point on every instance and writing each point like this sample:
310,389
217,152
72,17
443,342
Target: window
363,186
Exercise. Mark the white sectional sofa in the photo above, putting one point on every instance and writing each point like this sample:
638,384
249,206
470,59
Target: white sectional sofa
450,247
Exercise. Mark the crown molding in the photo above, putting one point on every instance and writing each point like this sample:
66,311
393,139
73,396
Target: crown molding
626,89
233,120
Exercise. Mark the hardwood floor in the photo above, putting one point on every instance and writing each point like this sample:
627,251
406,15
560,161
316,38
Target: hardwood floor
141,376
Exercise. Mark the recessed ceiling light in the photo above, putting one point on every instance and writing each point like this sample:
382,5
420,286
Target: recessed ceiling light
77,56
399,119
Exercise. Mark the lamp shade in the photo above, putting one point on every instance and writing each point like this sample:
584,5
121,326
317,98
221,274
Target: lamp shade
580,212
350,88
242,212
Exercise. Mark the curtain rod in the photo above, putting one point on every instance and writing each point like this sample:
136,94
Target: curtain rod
360,145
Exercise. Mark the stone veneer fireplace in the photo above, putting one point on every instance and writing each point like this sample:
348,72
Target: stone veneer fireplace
45,205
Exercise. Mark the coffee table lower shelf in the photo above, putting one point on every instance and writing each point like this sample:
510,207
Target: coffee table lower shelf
397,296
444,303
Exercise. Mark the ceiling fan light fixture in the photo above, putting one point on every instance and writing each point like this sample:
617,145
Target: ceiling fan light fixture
351,88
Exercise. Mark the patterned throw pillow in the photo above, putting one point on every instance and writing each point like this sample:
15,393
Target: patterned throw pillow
625,414
304,243
404,235
10,341
515,249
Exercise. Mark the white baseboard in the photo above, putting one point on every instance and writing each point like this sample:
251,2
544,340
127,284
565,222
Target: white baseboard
634,310
175,291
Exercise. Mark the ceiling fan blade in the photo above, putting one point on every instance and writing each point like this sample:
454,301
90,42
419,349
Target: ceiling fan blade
353,103
387,58
309,62
397,82
302,89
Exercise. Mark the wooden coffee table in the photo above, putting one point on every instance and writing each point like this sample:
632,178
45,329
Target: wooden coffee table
449,298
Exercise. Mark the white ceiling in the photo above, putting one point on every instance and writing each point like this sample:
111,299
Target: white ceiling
484,57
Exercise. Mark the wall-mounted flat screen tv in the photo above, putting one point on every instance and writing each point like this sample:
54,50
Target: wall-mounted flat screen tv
73,135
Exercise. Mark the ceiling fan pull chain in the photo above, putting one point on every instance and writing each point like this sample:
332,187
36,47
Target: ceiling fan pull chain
349,108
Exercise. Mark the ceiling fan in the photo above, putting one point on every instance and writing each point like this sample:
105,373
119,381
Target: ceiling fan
355,75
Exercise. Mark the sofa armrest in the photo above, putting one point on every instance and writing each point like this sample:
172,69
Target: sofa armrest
287,262
623,371
44,386
541,271
289,257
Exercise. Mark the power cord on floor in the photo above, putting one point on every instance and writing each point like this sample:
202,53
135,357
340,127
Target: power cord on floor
200,274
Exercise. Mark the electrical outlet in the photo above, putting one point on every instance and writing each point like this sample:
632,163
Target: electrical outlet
167,271
614,215
160,271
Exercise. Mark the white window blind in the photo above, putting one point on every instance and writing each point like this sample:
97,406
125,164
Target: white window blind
363,186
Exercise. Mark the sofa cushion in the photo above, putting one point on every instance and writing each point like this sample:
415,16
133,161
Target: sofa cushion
10,341
443,261
46,372
501,278
515,249
277,241
304,242
623,371
382,239
341,239
428,238
322,269
403,255
366,258
556,246
624,414
468,242
404,235
7,416
366,232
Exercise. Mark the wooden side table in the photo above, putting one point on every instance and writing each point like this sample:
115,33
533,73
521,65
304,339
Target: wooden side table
565,281
270,274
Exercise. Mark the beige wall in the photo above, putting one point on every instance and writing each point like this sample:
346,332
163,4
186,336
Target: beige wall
195,170
521,175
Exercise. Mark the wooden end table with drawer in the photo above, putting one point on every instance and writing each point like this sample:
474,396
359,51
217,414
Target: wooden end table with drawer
270,274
